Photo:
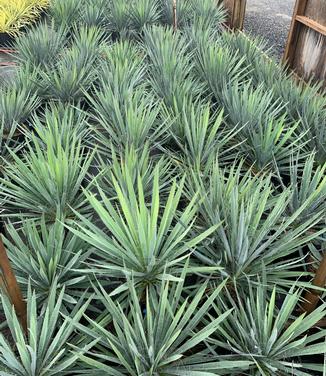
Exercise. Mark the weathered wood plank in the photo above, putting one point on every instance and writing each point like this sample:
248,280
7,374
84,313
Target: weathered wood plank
316,9
299,10
236,10
306,47
312,297
239,12
9,284
310,56
312,24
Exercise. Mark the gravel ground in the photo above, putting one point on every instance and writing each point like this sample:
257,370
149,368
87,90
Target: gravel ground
270,19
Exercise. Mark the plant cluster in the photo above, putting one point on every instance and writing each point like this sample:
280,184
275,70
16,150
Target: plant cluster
162,196
15,14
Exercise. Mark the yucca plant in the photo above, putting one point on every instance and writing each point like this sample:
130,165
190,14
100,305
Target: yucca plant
198,35
8,141
304,103
136,240
47,258
132,163
18,13
170,64
218,66
72,76
144,13
272,335
94,13
88,41
250,106
263,69
268,136
184,8
271,73
200,135
46,182
163,335
62,124
254,234
119,18
16,106
123,69
133,124
313,120
43,350
292,92
25,78
65,13
255,52
75,72
208,14
308,187
41,45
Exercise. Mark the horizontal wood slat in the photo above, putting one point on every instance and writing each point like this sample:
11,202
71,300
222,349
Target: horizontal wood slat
312,24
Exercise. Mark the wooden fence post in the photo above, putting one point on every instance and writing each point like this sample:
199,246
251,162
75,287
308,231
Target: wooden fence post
237,12
175,15
312,297
11,287
299,10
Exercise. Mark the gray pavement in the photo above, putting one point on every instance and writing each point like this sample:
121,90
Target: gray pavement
270,19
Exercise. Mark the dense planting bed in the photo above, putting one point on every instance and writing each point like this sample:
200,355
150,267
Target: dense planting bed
163,197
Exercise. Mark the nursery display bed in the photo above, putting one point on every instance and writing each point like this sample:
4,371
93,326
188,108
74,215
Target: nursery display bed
162,186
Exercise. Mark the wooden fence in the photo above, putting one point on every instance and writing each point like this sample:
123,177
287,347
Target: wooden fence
236,10
306,47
